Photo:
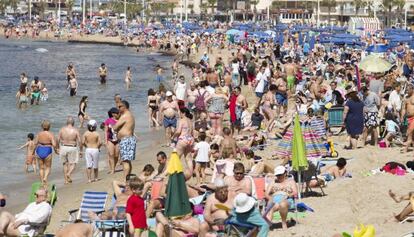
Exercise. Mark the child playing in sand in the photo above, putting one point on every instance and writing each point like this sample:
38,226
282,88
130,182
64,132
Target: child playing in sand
392,127
30,147
135,208
335,171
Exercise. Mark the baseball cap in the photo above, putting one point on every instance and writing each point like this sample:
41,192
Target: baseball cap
169,93
280,170
92,123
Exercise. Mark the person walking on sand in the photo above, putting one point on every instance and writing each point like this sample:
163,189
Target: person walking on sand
128,78
30,150
169,110
103,72
92,141
73,85
69,140
124,128
44,143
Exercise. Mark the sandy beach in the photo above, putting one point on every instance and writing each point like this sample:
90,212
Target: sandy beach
349,202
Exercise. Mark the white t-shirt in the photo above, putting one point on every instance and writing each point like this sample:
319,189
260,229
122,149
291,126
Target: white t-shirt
180,90
202,148
262,79
235,67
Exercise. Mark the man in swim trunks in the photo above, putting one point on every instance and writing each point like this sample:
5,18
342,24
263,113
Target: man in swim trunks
408,112
168,110
36,87
125,132
103,72
69,140
290,70
281,96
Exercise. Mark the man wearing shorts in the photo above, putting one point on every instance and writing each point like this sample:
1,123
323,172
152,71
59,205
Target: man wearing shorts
290,69
281,96
92,141
69,140
103,71
125,132
169,109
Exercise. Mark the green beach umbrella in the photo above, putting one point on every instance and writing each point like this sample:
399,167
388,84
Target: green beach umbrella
299,160
177,203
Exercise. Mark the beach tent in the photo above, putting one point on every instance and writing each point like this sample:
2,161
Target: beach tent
368,24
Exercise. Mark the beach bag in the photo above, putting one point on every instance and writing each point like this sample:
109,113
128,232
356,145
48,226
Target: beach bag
200,103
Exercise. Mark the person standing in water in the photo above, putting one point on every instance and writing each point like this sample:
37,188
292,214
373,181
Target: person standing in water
128,78
103,72
70,72
36,87
73,85
30,150
124,128
82,111
69,140
45,143
92,141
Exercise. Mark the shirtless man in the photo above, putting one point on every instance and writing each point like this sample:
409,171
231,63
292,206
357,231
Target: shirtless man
191,96
290,70
103,72
36,87
212,78
45,142
69,140
315,87
281,96
92,141
228,144
239,107
70,71
73,85
168,110
238,183
213,215
125,132
408,111
268,101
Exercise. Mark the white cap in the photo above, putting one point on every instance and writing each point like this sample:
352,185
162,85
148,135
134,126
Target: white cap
92,123
280,170
243,203
219,183
169,93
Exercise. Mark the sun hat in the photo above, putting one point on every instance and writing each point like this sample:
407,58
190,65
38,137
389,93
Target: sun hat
169,93
243,203
219,183
280,170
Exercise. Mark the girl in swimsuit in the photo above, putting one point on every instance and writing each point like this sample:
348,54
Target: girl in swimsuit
184,133
111,140
82,111
153,102
44,143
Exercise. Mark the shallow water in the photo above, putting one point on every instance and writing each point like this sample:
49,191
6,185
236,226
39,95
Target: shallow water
48,60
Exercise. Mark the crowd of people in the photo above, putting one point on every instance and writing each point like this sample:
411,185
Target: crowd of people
232,105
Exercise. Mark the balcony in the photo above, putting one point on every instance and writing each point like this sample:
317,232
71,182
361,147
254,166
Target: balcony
345,12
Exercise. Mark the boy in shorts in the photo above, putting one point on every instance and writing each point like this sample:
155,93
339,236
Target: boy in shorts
135,208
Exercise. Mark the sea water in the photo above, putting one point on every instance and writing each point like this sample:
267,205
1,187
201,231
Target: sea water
48,61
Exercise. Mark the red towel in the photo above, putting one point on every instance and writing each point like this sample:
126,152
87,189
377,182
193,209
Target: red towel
232,107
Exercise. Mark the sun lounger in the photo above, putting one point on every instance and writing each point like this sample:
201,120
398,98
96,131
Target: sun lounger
52,193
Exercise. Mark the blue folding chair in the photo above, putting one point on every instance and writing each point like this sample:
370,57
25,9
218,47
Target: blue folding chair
91,201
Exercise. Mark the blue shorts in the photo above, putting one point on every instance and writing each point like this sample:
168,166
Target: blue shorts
170,122
127,148
278,198
259,94
281,99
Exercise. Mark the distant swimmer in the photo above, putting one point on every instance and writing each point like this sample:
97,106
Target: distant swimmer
128,78
103,73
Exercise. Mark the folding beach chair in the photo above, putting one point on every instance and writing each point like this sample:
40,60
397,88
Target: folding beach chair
91,201
258,190
311,174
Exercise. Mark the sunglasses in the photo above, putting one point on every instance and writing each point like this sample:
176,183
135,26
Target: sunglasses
239,173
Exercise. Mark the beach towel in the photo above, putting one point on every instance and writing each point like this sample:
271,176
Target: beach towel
291,215
232,108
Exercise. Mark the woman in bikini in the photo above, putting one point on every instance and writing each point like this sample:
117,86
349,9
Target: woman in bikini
282,194
216,106
111,140
268,101
45,143
153,103
184,135
82,111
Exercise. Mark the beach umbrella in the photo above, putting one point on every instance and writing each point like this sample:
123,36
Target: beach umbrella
299,160
375,64
232,32
176,203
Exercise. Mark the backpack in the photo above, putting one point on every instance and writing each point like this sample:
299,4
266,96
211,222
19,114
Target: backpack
199,103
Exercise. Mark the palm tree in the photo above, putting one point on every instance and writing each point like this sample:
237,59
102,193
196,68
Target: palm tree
69,5
212,5
400,11
254,3
358,4
276,7
329,4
